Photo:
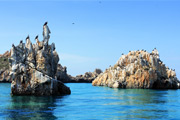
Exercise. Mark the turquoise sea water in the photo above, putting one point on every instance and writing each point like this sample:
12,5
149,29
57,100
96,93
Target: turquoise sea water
92,103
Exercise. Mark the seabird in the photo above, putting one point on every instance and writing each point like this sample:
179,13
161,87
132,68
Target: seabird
122,53
45,23
73,23
27,37
36,37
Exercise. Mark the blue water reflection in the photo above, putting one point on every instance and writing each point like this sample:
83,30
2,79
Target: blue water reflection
90,103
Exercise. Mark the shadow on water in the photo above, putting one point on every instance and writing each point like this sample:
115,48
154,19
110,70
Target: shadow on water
32,107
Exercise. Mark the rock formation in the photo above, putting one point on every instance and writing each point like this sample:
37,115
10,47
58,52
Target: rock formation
4,68
139,69
33,68
88,77
61,73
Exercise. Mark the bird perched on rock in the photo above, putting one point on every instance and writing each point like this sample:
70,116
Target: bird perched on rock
21,44
45,23
13,46
46,34
46,31
37,42
27,37
36,38
154,49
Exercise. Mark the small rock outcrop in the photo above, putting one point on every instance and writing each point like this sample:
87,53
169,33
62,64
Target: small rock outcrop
88,77
139,69
4,68
33,68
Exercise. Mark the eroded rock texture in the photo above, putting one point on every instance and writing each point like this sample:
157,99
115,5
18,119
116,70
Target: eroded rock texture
139,69
4,68
33,68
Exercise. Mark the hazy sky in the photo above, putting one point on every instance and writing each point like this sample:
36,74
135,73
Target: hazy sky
101,32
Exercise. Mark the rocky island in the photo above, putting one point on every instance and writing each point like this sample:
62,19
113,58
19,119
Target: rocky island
139,69
33,68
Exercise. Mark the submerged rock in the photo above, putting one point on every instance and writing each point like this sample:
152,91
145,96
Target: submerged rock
33,68
139,69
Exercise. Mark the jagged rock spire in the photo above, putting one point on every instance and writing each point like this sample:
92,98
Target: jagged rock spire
34,66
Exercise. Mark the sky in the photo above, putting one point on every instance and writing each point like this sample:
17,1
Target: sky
93,34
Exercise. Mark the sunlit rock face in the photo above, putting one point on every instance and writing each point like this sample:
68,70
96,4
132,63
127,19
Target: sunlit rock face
139,69
33,68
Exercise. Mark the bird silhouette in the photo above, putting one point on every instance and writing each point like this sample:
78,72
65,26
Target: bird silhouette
36,37
27,37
